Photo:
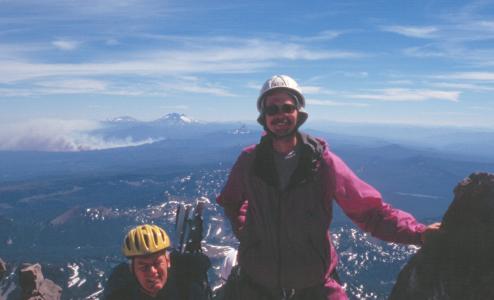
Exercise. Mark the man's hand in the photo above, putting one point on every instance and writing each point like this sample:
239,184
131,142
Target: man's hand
430,232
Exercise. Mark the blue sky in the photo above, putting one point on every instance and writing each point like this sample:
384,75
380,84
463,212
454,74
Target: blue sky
416,62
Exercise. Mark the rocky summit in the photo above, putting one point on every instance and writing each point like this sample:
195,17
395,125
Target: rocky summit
35,287
457,263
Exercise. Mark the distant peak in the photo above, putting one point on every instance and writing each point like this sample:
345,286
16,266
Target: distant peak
241,130
176,118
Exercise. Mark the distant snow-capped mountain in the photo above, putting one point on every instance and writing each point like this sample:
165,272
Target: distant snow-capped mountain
175,119
168,119
170,126
241,130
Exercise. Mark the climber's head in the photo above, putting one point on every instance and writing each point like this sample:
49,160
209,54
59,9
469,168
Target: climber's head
146,245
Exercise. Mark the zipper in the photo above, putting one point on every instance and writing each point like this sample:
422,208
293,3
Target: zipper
279,236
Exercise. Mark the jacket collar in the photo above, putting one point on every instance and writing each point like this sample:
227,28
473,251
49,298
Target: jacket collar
309,161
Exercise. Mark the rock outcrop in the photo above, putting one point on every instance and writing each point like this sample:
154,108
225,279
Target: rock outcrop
457,263
3,269
34,286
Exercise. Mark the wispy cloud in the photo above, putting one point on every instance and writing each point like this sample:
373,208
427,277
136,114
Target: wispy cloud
57,11
482,108
361,74
401,82
18,51
66,45
316,90
412,31
174,107
254,85
308,89
335,103
74,86
77,86
408,95
247,56
479,76
320,37
193,85
463,86
429,51
14,92
454,35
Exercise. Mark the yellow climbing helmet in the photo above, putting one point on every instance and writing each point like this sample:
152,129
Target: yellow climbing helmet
145,239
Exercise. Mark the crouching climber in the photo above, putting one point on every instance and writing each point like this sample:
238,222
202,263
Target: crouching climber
155,271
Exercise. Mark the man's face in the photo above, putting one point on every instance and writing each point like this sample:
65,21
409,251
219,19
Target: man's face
151,271
282,120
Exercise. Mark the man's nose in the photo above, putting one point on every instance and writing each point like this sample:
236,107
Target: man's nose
153,270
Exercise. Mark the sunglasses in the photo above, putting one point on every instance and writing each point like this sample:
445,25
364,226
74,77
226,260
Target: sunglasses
275,109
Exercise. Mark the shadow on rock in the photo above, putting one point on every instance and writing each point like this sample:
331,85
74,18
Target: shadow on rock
457,263
35,287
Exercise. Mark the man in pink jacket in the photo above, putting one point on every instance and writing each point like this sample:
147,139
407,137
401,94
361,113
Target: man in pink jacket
279,198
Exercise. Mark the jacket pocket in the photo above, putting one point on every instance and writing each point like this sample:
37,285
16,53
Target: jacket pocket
321,250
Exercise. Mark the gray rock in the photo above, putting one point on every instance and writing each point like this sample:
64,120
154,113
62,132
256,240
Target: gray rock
35,287
458,263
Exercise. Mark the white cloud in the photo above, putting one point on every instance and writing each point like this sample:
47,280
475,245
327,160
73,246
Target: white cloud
307,89
455,35
174,107
197,88
428,51
481,108
254,85
58,135
73,86
488,25
244,57
312,89
412,31
66,44
88,86
457,50
334,103
361,74
13,51
14,92
480,76
408,95
320,37
77,86
401,82
463,86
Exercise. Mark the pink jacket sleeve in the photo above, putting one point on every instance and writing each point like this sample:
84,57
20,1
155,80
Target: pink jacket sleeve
364,205
232,198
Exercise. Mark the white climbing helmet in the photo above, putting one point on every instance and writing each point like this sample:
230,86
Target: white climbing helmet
283,83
